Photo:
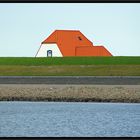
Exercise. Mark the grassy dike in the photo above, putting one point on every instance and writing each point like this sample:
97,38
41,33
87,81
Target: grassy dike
70,66
71,70
32,61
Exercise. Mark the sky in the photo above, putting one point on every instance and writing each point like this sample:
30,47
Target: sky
23,26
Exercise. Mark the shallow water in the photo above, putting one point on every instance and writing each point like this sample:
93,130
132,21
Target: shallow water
58,119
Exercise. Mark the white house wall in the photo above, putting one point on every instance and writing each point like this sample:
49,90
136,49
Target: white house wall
45,47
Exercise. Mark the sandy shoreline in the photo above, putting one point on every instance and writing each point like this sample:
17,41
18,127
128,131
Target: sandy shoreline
85,93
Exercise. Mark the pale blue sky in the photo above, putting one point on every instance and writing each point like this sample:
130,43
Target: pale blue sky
24,26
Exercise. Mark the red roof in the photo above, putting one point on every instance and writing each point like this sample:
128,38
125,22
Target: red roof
74,43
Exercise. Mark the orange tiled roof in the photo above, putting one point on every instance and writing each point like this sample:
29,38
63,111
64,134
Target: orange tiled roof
74,43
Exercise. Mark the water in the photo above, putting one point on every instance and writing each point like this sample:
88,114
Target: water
58,119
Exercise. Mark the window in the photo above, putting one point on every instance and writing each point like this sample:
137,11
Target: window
79,38
49,53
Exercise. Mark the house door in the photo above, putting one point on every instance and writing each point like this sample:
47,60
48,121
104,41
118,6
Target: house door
49,53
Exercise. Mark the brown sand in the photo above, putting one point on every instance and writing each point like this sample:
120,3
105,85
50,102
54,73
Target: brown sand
86,93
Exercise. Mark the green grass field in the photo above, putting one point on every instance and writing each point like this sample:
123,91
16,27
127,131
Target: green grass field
31,61
70,66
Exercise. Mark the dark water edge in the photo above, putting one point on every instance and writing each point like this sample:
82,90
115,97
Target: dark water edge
123,100
69,119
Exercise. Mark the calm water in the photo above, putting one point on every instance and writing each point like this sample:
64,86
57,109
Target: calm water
69,119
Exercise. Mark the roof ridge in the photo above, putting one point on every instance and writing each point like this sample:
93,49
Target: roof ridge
69,30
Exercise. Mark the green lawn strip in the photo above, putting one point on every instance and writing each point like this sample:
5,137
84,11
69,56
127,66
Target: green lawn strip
70,70
32,61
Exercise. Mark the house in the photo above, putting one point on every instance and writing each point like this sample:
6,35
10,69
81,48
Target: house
63,43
